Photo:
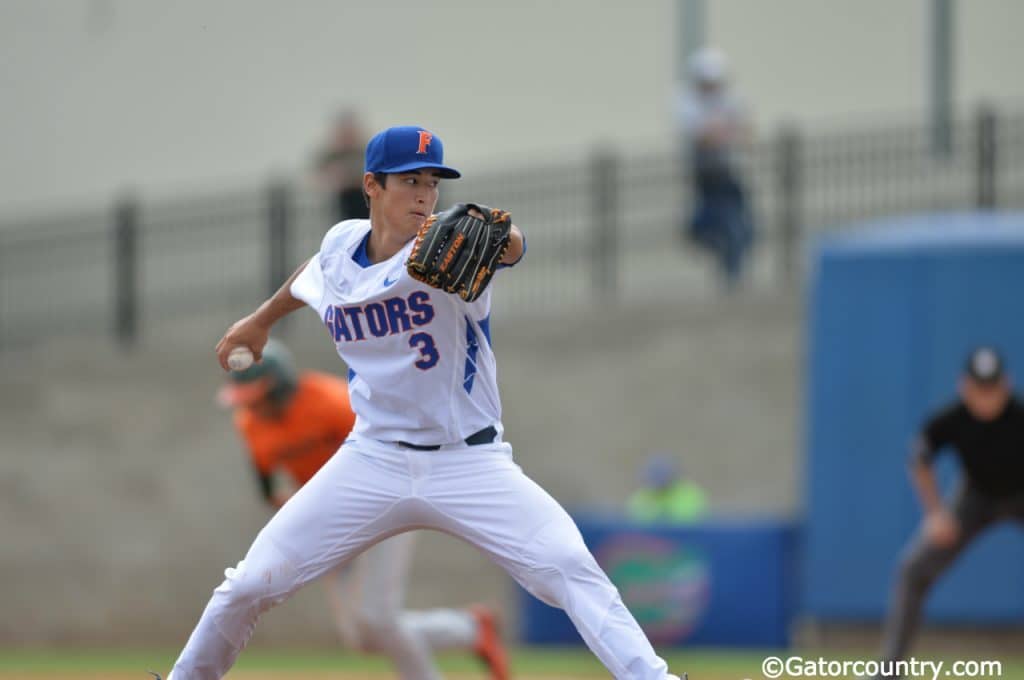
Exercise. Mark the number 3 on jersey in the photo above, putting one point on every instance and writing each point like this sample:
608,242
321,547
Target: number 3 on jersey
424,342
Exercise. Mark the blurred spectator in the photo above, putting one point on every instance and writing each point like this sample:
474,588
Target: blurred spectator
666,495
715,127
339,167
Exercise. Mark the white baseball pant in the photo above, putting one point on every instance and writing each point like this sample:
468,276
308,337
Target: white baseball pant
372,490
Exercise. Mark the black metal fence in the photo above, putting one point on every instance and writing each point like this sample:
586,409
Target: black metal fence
601,229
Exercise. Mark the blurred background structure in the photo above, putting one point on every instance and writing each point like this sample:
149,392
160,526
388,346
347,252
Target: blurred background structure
156,166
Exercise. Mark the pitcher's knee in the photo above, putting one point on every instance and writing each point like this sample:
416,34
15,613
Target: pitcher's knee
560,568
573,559
259,588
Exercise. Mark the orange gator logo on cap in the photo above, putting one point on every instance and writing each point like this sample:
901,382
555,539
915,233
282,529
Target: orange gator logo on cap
425,138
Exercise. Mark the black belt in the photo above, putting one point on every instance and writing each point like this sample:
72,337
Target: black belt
484,436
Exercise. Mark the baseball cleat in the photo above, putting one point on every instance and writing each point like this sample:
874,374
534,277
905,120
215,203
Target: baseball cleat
489,647
155,675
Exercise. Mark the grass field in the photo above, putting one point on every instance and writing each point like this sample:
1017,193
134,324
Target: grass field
255,664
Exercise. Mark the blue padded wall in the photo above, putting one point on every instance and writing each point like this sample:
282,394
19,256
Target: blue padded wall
894,308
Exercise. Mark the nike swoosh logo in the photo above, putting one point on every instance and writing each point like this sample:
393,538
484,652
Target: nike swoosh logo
390,282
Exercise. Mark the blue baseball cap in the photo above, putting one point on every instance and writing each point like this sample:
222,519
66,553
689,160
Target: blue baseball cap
406,148
660,470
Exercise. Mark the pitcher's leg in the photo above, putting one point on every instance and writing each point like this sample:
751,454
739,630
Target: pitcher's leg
560,570
522,528
344,508
264,578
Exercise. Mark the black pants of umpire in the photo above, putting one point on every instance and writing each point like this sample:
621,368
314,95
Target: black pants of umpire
924,562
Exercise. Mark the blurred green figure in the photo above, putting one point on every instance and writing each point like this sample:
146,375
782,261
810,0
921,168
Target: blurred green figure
666,496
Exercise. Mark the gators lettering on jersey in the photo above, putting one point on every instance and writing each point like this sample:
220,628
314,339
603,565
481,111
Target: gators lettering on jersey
420,360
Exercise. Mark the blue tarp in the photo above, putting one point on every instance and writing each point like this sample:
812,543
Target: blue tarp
718,583
894,308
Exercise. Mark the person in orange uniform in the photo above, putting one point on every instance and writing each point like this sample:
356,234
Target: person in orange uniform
292,423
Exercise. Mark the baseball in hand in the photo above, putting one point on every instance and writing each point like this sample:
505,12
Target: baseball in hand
240,358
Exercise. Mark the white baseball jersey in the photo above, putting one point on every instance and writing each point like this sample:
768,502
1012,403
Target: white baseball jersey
421,368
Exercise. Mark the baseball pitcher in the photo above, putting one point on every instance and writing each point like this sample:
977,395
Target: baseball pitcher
406,301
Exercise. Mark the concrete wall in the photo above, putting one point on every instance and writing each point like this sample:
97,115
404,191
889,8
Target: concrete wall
100,95
124,494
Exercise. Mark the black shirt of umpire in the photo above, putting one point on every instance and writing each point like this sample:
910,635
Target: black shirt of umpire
992,452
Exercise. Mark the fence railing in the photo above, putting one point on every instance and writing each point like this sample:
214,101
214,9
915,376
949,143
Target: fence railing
601,229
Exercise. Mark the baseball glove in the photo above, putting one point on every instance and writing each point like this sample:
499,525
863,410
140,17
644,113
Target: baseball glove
459,253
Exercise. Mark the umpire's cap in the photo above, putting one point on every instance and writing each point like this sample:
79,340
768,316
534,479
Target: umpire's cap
985,365
248,386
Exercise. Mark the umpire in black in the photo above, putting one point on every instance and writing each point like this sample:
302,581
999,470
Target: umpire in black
985,427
